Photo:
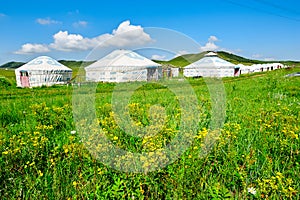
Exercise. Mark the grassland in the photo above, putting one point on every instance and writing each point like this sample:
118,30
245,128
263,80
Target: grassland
256,155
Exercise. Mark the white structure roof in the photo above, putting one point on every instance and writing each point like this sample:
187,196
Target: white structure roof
43,63
211,54
123,58
211,61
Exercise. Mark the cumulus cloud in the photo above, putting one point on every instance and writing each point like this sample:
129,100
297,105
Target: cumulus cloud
210,45
125,35
63,41
128,35
80,24
47,21
33,48
158,57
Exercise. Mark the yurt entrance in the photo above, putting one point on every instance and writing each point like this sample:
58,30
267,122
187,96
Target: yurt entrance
237,71
24,77
151,74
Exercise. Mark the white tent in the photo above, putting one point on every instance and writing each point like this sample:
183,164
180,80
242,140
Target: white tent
244,69
123,66
175,72
211,66
42,70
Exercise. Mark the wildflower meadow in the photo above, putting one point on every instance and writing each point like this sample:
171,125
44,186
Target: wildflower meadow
254,154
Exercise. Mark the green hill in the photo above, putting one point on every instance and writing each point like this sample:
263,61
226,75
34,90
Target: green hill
184,60
12,65
237,59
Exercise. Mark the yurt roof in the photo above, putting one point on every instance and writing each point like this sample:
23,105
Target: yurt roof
43,63
211,54
211,62
123,58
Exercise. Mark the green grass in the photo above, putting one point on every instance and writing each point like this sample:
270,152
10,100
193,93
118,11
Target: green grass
258,146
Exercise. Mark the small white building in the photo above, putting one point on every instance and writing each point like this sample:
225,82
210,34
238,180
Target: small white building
41,71
169,72
265,67
123,66
175,72
211,66
244,69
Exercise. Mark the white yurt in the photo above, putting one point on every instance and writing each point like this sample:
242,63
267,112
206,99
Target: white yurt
256,68
41,71
244,69
211,66
123,66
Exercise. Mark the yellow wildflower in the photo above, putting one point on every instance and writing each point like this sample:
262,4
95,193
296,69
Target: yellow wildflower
40,173
115,138
5,152
75,183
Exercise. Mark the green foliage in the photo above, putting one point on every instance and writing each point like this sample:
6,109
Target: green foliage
9,75
43,157
4,83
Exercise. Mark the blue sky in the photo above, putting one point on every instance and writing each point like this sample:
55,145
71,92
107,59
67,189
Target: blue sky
259,29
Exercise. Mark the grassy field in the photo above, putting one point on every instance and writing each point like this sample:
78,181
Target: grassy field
256,154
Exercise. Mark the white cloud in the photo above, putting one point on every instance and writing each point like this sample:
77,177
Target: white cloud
158,57
80,24
125,35
63,41
46,21
213,38
210,45
2,15
33,48
129,35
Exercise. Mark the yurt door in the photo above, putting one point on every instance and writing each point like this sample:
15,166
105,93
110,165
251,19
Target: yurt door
151,75
24,79
236,71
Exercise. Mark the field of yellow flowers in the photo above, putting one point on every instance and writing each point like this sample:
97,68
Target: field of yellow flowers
255,155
